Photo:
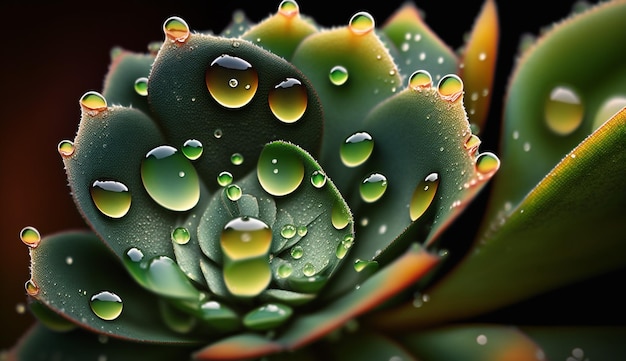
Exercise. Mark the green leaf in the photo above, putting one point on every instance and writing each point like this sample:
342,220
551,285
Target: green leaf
119,85
579,343
368,345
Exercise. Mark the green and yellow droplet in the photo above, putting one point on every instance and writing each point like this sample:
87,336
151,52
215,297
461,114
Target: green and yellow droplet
288,100
423,196
232,81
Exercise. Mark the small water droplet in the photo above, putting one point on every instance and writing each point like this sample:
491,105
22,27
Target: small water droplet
423,196
288,100
219,77
487,163
279,172
141,86
236,159
93,103
31,288
297,252
176,29
420,79
285,270
308,269
161,171
318,179
563,110
30,236
344,246
356,149
112,198
106,305
224,178
361,23
66,148
373,187
340,216
302,231
233,192
288,231
288,8
472,143
134,261
450,87
192,149
217,133
181,235
338,75
360,265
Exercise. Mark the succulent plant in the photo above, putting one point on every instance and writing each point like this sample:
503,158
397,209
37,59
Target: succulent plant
286,191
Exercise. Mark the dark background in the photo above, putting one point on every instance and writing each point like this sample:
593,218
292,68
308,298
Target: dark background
53,53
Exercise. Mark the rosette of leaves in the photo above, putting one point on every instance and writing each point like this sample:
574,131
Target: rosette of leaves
282,190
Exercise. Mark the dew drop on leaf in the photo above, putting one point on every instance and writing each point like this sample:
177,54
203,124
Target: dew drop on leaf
135,263
176,29
288,8
233,192
112,198
361,23
245,237
224,178
339,216
472,143
170,179
338,75
164,276
285,270
288,100
236,159
450,87
288,231
267,317
279,172
66,148
192,149
373,187
318,179
308,269
563,110
297,252
31,288
487,163
141,86
356,149
423,195
30,236
420,79
302,231
106,305
231,81
180,235
93,102
360,265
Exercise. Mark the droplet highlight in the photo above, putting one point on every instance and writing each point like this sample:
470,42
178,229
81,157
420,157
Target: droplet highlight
279,171
288,100
192,149
361,23
338,75
373,187
563,110
420,79
170,179
231,81
288,8
356,149
423,196
450,87
106,305
30,236
141,86
608,109
176,29
112,198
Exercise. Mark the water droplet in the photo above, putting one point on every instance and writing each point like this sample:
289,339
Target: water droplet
233,192
472,143
112,198
302,231
141,86
134,261
450,87
279,172
224,178
340,216
308,269
318,179
285,270
288,8
338,75
219,78
420,79
31,288
297,252
192,149
360,265
93,102
487,163
66,148
288,231
267,317
344,246
423,195
164,276
356,149
236,159
30,236
106,305
563,110
608,109
247,277
288,100
181,235
245,237
373,187
176,29
170,179
217,133
361,23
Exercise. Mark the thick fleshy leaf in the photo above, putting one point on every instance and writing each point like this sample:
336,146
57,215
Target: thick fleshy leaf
531,250
77,276
42,344
233,97
127,80
306,329
369,346
579,343
479,64
239,24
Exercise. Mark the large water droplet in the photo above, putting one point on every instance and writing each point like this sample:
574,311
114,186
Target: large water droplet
280,172
245,237
192,149
373,187
338,75
361,23
30,236
420,79
66,148
423,196
248,277
170,179
356,149
93,102
112,198
141,86
450,87
563,110
340,216
487,163
176,29
106,305
231,81
288,100
181,235
288,8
